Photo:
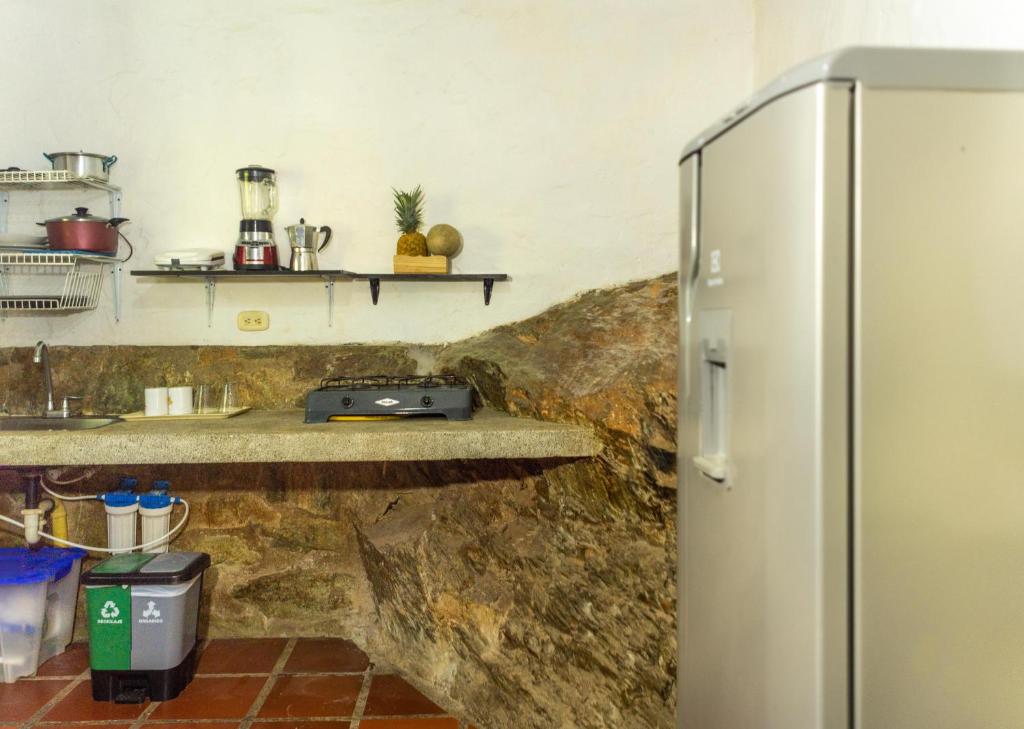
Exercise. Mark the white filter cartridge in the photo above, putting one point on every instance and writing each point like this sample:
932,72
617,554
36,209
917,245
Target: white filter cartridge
155,513
121,508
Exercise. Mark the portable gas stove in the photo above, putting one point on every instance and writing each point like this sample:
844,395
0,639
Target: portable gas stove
381,396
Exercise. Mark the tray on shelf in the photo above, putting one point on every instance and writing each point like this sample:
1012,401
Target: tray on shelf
49,180
141,415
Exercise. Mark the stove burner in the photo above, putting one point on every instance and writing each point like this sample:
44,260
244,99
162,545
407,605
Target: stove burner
449,396
382,382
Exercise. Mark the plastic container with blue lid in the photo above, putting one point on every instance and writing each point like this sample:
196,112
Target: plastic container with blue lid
23,589
61,567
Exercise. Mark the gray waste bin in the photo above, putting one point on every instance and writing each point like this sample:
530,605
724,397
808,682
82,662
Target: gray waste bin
143,610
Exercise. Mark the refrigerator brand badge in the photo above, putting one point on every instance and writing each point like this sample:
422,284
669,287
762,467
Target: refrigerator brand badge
386,402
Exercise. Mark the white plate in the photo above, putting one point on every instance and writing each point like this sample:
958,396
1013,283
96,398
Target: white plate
21,240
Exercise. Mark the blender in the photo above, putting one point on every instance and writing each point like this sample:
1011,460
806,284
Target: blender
256,249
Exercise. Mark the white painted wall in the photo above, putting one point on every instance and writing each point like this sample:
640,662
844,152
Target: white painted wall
791,31
547,131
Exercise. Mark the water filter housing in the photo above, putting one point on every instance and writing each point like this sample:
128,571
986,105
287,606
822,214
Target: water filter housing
122,508
155,517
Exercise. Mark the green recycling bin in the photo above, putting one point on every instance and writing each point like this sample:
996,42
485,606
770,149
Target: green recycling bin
143,610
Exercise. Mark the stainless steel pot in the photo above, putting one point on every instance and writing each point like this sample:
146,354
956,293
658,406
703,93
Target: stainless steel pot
83,164
83,232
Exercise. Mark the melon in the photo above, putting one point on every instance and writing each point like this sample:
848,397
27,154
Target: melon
444,240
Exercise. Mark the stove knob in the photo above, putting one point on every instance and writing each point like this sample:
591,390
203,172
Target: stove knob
346,402
426,401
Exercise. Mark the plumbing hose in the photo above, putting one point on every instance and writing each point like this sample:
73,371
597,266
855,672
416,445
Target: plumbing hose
62,497
86,473
165,538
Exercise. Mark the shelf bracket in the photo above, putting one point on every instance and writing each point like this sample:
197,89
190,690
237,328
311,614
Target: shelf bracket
211,291
488,288
118,274
329,285
374,290
115,203
5,198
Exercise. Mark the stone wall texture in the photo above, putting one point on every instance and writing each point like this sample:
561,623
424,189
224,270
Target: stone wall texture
525,594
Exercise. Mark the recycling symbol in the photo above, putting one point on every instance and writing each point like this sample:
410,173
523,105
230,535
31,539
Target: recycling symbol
110,610
151,611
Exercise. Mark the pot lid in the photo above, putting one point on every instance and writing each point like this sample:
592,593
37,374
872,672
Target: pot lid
255,173
76,154
81,214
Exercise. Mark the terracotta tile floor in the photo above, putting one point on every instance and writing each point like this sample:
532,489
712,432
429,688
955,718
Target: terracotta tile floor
271,683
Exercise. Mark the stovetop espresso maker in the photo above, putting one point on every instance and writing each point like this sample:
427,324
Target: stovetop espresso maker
305,239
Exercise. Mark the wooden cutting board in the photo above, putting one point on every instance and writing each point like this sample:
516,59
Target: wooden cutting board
141,415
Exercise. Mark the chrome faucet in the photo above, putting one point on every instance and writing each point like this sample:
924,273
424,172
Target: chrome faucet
42,356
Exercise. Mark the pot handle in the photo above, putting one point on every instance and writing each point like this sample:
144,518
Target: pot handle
49,156
108,162
327,238
114,222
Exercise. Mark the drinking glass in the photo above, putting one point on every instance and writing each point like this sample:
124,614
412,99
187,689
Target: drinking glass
229,398
203,401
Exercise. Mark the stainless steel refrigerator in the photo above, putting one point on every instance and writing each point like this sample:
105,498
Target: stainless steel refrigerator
851,504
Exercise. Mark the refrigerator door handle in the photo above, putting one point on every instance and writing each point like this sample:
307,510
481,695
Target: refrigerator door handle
715,331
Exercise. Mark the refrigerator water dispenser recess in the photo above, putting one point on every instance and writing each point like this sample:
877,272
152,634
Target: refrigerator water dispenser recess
715,334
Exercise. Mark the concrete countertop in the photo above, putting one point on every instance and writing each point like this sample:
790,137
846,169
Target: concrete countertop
273,436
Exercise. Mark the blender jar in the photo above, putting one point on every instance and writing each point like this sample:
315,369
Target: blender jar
258,188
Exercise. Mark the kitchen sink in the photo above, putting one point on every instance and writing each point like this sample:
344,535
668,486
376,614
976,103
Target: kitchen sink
31,422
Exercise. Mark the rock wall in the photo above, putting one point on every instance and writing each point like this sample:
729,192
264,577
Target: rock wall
526,594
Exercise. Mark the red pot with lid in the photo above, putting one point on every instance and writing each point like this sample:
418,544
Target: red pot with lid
83,232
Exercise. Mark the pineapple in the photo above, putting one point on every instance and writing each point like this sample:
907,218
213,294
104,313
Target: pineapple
409,217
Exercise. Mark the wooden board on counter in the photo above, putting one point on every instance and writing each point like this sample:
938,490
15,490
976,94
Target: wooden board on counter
421,264
141,415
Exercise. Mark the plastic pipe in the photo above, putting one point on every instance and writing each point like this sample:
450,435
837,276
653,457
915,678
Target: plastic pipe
31,519
59,520
177,528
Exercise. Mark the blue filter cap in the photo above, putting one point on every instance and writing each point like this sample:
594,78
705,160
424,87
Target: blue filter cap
155,500
164,486
120,498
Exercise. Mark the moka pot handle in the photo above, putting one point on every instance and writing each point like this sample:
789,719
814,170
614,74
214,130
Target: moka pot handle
327,238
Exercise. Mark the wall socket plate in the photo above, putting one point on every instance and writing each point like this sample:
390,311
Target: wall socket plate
253,321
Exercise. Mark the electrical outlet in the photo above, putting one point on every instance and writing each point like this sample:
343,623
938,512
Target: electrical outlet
253,321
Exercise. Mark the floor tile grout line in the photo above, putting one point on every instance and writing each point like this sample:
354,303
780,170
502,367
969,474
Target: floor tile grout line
364,694
223,674
251,719
268,685
141,719
56,699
